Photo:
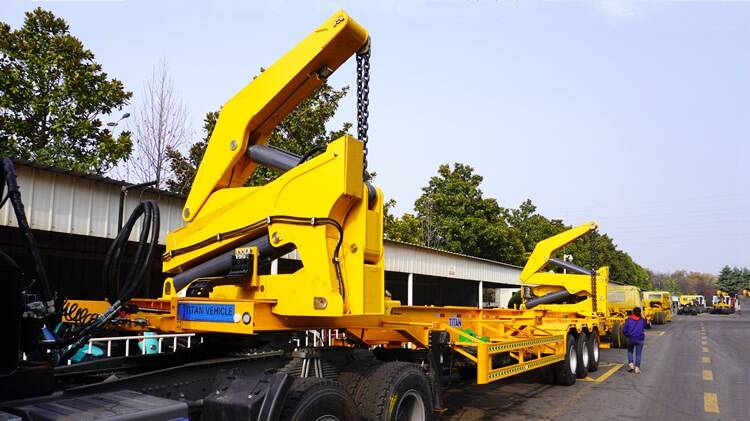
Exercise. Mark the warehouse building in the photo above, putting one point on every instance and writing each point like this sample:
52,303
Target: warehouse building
75,217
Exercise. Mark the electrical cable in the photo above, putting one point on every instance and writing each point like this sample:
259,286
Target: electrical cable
310,153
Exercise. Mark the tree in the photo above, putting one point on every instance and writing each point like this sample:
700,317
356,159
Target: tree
52,96
159,125
301,131
733,280
457,217
596,250
184,167
408,228
532,227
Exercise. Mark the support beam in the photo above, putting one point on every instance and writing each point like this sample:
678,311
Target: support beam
275,267
481,288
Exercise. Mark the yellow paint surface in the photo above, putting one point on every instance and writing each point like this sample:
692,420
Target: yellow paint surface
710,403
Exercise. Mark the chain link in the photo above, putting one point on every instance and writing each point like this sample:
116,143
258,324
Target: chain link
363,101
594,300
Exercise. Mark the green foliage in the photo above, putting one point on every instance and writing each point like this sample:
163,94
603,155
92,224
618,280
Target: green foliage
453,214
684,282
52,94
733,280
408,228
301,131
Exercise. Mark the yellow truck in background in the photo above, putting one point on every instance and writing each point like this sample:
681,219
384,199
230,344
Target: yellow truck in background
691,304
722,303
621,299
657,306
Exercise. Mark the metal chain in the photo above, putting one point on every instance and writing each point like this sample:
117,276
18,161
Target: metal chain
363,101
593,272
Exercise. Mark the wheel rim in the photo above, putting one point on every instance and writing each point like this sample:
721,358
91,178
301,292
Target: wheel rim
596,350
585,355
572,360
328,418
410,407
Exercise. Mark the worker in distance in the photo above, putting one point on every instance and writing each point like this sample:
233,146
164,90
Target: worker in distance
634,333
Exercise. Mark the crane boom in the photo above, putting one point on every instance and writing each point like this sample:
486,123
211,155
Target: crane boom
251,115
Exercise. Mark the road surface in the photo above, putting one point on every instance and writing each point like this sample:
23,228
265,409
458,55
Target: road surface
696,368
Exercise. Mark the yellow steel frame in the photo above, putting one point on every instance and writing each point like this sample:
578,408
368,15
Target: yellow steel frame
542,282
221,214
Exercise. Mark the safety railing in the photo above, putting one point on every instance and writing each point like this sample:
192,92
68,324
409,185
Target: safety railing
159,338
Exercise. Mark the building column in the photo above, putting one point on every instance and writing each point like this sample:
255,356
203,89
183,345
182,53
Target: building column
481,287
275,267
410,290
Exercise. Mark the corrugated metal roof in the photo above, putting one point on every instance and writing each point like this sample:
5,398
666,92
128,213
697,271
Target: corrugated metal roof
65,201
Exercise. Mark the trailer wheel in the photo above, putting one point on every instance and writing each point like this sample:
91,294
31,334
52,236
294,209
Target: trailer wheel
618,339
593,346
659,318
315,398
398,391
582,354
565,370
548,374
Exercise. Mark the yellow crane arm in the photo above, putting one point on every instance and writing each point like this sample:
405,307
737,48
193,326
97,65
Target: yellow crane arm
547,248
251,115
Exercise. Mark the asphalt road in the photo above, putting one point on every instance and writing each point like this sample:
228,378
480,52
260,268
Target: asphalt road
695,368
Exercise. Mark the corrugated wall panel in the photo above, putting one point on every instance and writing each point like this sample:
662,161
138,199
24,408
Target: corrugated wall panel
76,205
411,259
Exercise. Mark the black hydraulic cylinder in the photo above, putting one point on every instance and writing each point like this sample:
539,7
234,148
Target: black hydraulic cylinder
221,264
282,161
552,297
571,267
274,158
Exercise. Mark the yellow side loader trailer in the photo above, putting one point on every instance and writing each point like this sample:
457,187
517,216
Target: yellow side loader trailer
391,359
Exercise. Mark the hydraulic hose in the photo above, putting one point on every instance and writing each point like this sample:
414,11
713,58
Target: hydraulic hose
39,275
143,259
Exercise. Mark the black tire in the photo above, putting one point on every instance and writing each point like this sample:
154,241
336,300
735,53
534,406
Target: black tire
593,346
311,398
582,354
618,339
548,374
565,370
659,318
354,378
398,391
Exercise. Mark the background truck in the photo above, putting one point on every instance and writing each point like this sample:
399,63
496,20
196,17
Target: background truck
657,306
621,301
722,303
691,304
